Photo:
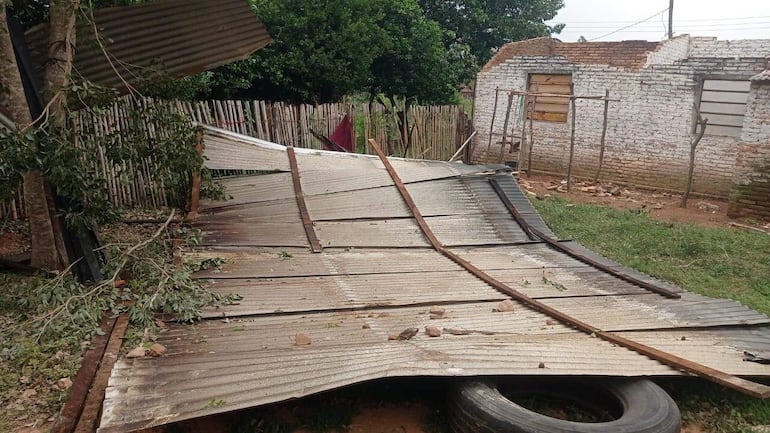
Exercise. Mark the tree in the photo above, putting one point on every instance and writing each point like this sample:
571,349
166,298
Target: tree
46,241
486,25
321,51
412,63
324,50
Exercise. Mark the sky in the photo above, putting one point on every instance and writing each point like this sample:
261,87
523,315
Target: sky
602,20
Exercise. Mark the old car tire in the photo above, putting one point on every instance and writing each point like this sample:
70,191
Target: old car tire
478,406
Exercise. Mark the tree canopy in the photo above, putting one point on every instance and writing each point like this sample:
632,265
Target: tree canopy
414,49
486,25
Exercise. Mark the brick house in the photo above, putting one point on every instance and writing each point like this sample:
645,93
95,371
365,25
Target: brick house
661,86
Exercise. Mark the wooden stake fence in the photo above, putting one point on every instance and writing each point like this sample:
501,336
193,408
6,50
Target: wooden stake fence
438,131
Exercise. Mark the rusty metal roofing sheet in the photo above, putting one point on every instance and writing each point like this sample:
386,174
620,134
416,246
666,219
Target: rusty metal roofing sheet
536,255
275,211
252,361
224,150
558,282
380,278
478,229
338,292
704,346
254,263
253,189
270,234
395,233
185,36
363,203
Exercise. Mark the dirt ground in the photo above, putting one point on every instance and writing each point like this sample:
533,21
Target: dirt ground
661,205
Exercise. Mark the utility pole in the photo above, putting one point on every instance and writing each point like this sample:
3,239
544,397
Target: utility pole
671,19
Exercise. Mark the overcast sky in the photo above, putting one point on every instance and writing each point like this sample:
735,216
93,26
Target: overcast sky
725,19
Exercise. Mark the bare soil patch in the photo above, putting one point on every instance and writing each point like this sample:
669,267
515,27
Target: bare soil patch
661,205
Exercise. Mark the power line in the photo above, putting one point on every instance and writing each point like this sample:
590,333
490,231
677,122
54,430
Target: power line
755,23
690,20
630,25
681,30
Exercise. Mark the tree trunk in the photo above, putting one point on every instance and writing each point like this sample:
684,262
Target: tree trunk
61,53
44,252
61,50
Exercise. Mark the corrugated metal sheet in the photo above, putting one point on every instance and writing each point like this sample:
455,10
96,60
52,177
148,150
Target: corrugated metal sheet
253,189
339,292
271,263
394,233
377,276
184,36
253,361
224,150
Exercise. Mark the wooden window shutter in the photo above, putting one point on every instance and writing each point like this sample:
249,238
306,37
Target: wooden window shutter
550,108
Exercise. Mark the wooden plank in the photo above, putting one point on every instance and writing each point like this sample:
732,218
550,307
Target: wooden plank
723,119
550,88
730,97
724,131
727,85
717,108
550,78
550,117
551,108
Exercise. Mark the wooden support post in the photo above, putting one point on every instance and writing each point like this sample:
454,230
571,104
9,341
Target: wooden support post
571,136
523,138
693,144
460,150
531,141
505,125
604,134
492,125
195,195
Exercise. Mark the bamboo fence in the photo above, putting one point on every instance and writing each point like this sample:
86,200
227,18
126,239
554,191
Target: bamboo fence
435,132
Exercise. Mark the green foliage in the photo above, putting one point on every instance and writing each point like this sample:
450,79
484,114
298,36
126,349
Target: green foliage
413,62
43,322
715,408
486,25
725,263
75,159
322,51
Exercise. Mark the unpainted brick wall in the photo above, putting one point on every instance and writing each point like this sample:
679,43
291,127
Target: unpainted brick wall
751,195
648,139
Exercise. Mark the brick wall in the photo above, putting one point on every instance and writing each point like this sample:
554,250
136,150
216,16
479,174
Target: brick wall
711,47
670,52
751,195
649,130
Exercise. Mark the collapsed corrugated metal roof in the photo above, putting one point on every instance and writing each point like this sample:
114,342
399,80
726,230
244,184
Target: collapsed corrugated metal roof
177,37
378,275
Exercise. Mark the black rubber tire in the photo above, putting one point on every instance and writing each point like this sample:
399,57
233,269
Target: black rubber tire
478,406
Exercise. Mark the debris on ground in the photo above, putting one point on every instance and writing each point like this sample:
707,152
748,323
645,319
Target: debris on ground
437,312
137,352
156,350
64,383
302,340
432,331
407,334
505,306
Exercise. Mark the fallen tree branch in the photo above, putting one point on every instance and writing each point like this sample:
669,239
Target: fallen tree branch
744,226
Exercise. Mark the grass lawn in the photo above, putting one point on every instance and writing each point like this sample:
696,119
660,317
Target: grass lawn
717,262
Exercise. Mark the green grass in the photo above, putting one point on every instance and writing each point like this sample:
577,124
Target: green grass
717,262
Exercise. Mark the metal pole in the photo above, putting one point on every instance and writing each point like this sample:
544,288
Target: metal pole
671,19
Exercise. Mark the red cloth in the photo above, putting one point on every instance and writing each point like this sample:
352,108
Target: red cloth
343,135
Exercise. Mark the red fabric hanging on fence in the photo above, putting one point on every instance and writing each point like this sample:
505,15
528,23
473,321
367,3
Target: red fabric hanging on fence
343,136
